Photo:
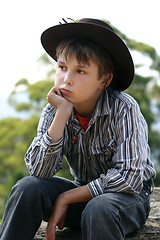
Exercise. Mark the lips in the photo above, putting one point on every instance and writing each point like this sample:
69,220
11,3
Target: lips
65,91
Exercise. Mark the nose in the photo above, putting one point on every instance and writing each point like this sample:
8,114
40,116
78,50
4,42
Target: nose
68,78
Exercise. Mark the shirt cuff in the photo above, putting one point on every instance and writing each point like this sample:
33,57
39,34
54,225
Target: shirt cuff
46,141
49,146
95,187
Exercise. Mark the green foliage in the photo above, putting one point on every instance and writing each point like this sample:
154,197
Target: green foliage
38,90
157,180
23,107
34,95
45,61
16,136
139,90
139,46
23,82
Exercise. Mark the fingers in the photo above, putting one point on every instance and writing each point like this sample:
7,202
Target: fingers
52,91
61,223
50,232
58,92
54,97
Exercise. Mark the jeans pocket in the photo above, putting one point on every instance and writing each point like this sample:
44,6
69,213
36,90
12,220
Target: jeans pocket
145,199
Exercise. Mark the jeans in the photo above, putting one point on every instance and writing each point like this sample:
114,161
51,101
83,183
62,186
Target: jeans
110,216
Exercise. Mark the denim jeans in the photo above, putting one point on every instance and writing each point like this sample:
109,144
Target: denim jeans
110,216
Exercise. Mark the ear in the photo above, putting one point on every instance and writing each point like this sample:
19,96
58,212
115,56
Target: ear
106,80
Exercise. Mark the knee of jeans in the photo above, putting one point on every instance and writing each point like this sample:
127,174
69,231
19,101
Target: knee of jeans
92,209
98,209
28,185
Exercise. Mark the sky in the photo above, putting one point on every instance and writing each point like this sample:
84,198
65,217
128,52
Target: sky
23,21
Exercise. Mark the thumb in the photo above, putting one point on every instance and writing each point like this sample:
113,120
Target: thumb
61,223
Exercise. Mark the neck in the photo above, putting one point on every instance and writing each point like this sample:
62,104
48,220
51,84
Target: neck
84,112
86,109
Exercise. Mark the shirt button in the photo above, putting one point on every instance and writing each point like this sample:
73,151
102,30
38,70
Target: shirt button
106,153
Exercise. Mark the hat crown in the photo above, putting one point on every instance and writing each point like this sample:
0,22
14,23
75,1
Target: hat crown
96,22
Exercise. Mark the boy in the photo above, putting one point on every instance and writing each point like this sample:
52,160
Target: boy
101,132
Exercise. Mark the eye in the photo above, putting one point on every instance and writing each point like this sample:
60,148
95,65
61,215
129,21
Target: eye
62,67
80,71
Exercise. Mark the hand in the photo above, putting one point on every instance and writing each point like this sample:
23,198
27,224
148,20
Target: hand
57,218
56,99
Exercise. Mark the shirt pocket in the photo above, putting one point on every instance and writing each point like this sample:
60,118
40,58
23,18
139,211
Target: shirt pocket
102,152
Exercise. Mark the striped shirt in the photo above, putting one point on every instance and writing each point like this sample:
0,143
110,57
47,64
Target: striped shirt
111,155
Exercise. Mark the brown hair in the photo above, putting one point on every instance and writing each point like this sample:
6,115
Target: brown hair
85,51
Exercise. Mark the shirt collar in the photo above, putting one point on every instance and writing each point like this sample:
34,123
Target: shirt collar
102,107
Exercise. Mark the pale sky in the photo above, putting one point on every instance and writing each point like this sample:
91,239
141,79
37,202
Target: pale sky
23,21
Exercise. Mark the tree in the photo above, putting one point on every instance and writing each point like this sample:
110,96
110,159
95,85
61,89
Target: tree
16,136
34,95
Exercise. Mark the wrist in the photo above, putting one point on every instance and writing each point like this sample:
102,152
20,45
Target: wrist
66,109
64,198
64,112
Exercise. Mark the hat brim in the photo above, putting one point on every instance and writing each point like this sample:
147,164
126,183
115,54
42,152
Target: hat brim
123,63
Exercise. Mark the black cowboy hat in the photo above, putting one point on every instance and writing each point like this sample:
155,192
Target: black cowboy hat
97,31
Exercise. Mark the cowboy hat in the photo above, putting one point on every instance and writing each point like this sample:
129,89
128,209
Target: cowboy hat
97,31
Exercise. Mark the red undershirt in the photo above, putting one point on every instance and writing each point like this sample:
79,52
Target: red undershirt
82,120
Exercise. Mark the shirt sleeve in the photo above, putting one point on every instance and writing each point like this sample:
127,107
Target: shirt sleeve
130,157
43,158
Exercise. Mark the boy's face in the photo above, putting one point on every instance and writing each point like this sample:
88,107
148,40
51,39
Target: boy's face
78,82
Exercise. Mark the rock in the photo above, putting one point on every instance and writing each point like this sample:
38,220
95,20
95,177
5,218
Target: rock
151,230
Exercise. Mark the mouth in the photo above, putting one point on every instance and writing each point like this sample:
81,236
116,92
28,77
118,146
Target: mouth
65,91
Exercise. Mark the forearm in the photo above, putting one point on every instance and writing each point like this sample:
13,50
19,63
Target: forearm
80,194
56,129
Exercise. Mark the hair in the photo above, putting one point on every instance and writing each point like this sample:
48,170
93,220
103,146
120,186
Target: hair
85,51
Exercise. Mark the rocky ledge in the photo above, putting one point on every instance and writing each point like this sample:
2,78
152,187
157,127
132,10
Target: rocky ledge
151,230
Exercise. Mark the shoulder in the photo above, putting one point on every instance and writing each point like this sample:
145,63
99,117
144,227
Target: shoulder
121,103
121,100
123,106
122,97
